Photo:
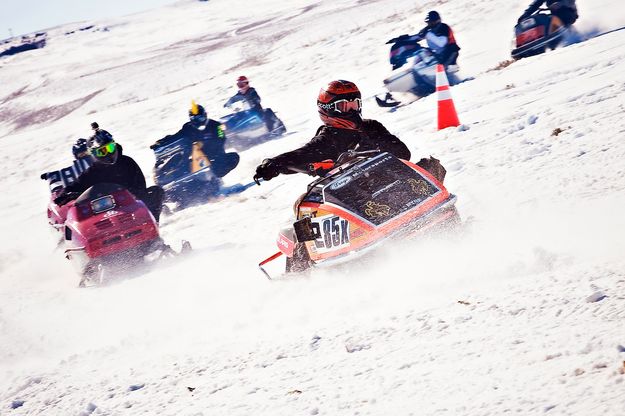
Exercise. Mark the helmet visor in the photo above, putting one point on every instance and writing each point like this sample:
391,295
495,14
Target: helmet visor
105,150
198,119
346,106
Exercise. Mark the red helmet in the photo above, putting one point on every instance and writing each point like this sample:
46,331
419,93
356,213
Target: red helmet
340,105
242,81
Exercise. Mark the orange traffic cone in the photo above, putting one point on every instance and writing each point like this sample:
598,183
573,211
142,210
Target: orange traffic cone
447,116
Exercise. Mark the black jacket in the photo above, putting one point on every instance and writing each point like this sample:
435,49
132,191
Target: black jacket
212,137
535,5
330,142
124,172
251,96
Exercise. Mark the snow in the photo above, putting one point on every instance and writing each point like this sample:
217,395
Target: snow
521,313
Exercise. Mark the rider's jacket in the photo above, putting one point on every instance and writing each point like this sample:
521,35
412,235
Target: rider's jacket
330,142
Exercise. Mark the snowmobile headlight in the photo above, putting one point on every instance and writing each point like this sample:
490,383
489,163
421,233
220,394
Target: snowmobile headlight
102,204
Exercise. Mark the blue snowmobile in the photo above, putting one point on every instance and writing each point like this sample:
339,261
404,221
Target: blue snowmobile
246,127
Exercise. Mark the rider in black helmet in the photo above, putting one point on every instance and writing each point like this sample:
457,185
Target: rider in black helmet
211,134
110,165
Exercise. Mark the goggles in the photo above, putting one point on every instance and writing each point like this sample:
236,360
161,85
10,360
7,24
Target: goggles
107,149
198,118
345,106
242,84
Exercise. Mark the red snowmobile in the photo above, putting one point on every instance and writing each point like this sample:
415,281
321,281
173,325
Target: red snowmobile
364,199
107,230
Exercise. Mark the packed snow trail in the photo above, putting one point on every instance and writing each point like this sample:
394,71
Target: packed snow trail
521,313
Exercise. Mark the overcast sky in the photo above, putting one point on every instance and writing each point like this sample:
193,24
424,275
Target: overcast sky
25,16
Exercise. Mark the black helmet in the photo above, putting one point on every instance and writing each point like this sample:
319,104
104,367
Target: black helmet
432,17
340,105
103,148
79,149
197,115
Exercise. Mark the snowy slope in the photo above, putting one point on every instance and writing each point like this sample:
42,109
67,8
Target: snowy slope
521,314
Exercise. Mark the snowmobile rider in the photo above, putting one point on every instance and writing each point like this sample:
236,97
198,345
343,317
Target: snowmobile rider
210,134
111,166
249,94
79,150
339,105
440,39
565,10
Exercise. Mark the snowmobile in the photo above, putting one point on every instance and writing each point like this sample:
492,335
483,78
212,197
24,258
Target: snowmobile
107,230
246,128
364,199
186,175
532,36
417,78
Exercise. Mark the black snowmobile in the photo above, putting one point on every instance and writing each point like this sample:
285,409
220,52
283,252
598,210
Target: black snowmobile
532,36
187,175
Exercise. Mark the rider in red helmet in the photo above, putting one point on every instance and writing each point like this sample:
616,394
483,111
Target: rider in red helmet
247,93
250,95
340,106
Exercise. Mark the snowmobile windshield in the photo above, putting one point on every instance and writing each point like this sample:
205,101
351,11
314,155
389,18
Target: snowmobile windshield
102,204
240,105
172,162
379,189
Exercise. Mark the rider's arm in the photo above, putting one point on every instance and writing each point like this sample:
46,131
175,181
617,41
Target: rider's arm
253,97
136,180
436,42
535,5
319,148
231,100
80,185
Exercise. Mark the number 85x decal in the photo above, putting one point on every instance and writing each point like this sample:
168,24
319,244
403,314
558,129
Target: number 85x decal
333,232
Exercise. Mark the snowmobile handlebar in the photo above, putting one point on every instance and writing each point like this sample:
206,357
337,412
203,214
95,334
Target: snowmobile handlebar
352,154
323,167
65,198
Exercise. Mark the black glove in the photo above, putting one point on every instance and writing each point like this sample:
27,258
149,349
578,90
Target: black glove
267,170
44,176
398,38
65,197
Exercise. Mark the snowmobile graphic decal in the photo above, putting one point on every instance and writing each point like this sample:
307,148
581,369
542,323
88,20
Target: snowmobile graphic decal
199,160
374,210
419,187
